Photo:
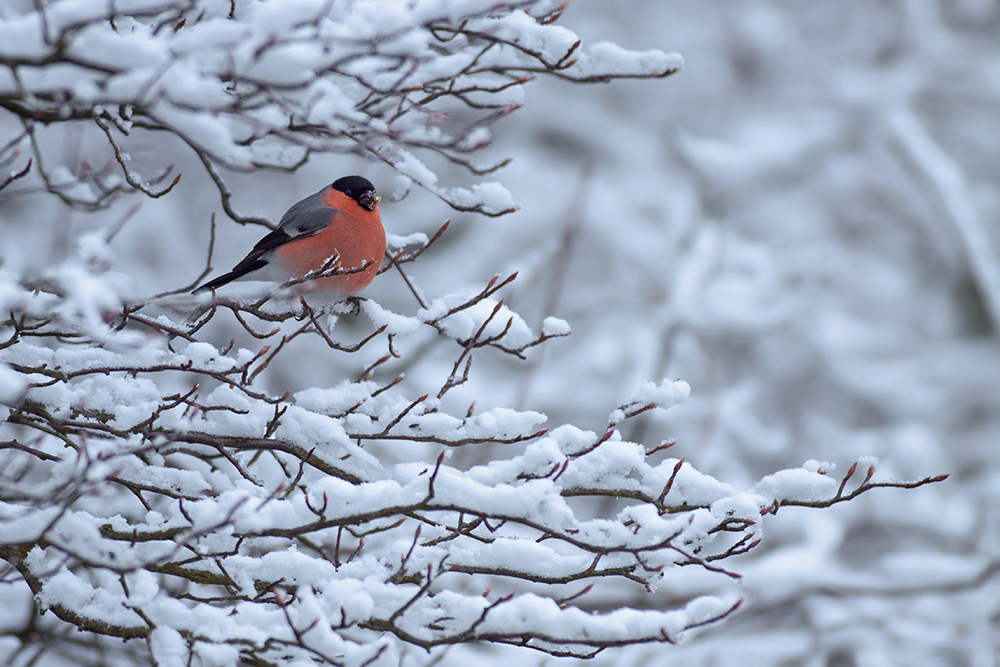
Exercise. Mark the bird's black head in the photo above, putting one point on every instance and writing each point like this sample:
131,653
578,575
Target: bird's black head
359,189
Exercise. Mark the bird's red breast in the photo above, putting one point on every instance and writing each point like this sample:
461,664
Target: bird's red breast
353,233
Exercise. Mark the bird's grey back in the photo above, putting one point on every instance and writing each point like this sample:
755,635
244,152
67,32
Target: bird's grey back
307,216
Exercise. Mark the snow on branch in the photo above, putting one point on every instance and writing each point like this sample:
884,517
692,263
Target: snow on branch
265,85
163,487
153,489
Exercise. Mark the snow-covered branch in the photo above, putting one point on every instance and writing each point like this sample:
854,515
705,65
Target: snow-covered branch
254,85
180,489
147,469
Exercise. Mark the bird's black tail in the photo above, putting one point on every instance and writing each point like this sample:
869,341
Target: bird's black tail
230,277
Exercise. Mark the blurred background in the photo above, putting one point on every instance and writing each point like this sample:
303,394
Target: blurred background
802,224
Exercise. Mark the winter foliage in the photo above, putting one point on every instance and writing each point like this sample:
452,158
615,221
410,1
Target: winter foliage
250,479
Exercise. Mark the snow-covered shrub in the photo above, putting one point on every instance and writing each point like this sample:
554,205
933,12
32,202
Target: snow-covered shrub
157,484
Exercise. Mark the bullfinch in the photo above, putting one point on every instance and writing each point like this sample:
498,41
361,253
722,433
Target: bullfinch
342,219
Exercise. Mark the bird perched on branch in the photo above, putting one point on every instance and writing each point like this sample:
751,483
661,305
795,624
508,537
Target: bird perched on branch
336,233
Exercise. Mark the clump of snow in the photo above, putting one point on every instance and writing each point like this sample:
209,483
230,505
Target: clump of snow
12,384
867,461
201,353
797,484
334,400
395,323
410,166
466,322
821,467
66,589
397,241
553,326
613,59
492,198
92,248
665,395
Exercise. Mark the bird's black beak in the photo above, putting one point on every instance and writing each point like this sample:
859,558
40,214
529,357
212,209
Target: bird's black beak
369,200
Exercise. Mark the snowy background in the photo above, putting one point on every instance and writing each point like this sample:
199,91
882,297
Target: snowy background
802,224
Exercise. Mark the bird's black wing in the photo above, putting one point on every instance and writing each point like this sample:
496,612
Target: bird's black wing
244,269
303,219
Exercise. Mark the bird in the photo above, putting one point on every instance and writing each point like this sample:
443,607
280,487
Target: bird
342,220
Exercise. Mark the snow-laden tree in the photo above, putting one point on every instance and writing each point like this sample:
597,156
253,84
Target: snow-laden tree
156,488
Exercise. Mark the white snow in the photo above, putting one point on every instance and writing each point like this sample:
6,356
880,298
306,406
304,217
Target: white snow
796,224
395,323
